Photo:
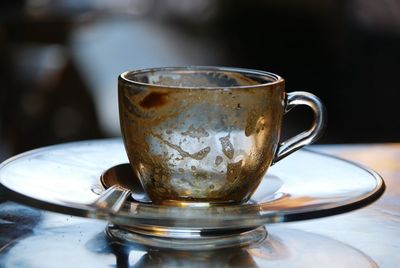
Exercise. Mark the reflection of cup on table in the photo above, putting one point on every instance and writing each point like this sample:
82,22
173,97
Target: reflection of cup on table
207,134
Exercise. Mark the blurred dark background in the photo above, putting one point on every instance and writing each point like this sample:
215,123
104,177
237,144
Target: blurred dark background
59,60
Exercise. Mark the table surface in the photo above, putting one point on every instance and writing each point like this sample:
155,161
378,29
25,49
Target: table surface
368,237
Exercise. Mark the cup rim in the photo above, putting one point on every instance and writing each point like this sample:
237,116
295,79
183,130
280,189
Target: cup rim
277,79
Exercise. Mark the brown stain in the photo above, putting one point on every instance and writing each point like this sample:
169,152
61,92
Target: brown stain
198,155
218,160
154,100
227,147
243,80
196,132
251,122
233,171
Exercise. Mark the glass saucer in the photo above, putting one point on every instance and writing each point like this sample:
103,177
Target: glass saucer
66,178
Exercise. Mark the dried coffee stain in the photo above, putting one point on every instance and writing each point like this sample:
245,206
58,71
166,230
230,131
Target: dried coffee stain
201,154
233,171
196,132
198,155
243,80
227,147
251,123
154,100
218,160
162,173
201,175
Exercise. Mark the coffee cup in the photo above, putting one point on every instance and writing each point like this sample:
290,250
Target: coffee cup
207,135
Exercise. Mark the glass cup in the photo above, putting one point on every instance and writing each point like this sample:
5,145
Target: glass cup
207,135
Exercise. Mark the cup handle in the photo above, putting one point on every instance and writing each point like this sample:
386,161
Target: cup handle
307,137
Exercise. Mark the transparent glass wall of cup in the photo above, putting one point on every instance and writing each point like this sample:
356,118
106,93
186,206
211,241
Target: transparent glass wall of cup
207,134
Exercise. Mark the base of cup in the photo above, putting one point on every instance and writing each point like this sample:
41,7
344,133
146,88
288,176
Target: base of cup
178,203
123,176
186,239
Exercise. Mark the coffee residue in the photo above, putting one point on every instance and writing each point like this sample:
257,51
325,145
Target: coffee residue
201,154
227,147
198,155
196,132
153,100
218,160
233,171
251,122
